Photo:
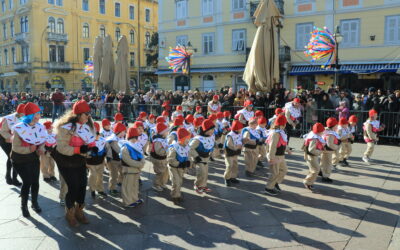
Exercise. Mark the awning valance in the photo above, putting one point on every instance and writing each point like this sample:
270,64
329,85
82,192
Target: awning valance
345,69
202,70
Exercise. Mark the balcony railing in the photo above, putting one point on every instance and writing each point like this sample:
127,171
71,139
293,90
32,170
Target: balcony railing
284,54
58,66
22,67
57,37
22,38
148,69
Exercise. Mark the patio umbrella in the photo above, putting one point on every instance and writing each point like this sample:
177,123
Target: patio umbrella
121,78
97,61
262,68
107,66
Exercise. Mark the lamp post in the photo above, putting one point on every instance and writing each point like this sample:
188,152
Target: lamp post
338,39
41,46
189,48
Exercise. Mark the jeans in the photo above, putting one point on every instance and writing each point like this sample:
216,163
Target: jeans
57,111
76,179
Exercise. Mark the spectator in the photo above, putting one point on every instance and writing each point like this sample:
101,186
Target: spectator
57,98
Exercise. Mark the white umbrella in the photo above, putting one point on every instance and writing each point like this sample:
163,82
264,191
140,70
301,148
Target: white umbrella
121,78
97,61
107,66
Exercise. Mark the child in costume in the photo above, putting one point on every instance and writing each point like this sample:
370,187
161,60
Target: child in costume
246,113
262,149
313,147
277,142
345,137
371,128
159,149
46,160
196,125
178,161
271,120
233,148
143,139
188,124
106,128
251,139
177,112
218,132
132,159
198,112
173,136
201,148
332,144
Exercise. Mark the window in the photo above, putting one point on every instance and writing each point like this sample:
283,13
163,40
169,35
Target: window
147,39
85,5
132,36
13,55
60,26
1,59
10,4
303,34
238,4
102,31
208,7
208,43
132,59
102,7
26,25
60,53
52,53
52,24
25,53
117,9
239,40
208,83
6,62
50,1
4,31
117,33
392,30
59,2
85,30
131,12
22,2
182,40
3,5
181,9
12,28
86,54
147,15
350,30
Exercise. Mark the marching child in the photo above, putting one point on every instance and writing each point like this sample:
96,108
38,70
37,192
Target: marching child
165,115
271,120
246,113
118,117
332,144
251,138
150,124
277,142
196,125
113,159
178,161
199,112
371,128
201,148
313,147
173,135
159,149
132,159
95,163
219,131
46,160
189,123
353,120
233,148
143,139
106,128
345,137
262,149
177,112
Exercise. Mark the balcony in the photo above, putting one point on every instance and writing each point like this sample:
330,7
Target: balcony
63,67
57,37
22,38
254,4
22,67
148,48
284,54
148,69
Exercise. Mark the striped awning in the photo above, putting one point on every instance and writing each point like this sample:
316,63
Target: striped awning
345,69
203,70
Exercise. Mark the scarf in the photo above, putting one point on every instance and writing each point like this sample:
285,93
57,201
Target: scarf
345,131
331,132
83,131
375,124
208,142
101,143
281,132
142,140
312,135
112,138
11,120
182,151
164,142
135,149
36,134
263,131
253,132
294,112
106,133
51,140
237,138
246,114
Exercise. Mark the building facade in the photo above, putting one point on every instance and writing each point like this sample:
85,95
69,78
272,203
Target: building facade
219,32
369,53
46,43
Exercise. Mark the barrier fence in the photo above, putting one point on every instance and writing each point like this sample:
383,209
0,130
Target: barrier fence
131,112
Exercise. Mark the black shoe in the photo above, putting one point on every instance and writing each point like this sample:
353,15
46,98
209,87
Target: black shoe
341,163
93,194
25,212
346,163
53,179
278,187
249,174
119,184
47,180
102,194
327,180
320,173
234,181
16,183
36,207
272,192
212,159
140,182
260,164
9,180
228,183
310,187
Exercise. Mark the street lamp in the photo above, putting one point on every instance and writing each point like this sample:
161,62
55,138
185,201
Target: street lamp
189,48
338,39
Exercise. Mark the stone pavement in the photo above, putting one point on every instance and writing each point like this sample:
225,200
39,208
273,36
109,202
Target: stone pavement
359,211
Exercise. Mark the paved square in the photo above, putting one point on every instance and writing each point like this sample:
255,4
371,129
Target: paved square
360,210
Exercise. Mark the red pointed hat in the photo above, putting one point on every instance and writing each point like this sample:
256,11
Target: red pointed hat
331,122
118,128
248,103
165,113
97,126
296,100
132,132
216,97
220,115
183,134
262,120
318,128
372,112
161,127
31,108
236,126
353,118
151,116
207,125
213,117
81,107
138,124
343,121
179,108
259,113
160,119
20,108
118,117
198,108
189,118
278,111
178,121
198,121
142,115
280,120
227,114
105,122
48,124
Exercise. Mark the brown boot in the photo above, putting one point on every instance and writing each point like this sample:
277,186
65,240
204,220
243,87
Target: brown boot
70,217
79,215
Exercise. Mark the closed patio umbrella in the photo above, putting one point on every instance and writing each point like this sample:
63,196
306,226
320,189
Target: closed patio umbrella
107,66
97,61
121,77
262,68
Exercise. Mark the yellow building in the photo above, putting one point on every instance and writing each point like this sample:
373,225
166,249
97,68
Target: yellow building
220,33
369,53
49,40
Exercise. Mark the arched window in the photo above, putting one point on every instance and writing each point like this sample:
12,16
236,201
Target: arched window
24,24
102,31
52,24
117,33
147,37
26,28
85,30
132,36
60,26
